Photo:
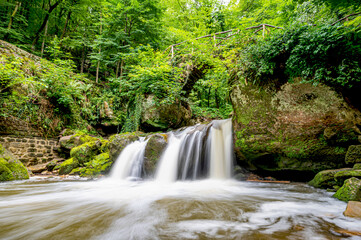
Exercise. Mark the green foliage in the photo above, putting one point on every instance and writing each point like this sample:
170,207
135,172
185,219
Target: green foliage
328,54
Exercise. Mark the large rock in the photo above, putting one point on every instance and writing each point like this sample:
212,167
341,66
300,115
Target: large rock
341,176
153,151
10,167
87,151
69,142
350,191
67,166
353,154
295,128
158,116
353,209
326,178
118,142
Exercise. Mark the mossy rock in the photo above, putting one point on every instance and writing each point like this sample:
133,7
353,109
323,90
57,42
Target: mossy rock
353,154
341,176
10,167
51,165
100,165
350,190
153,151
118,142
85,152
67,166
357,166
69,142
326,178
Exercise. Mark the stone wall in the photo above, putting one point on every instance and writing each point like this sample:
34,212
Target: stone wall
31,150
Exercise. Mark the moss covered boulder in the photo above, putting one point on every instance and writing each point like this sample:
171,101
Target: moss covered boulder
10,167
326,178
353,154
357,166
67,166
87,151
153,151
293,130
100,165
118,142
69,142
341,176
350,190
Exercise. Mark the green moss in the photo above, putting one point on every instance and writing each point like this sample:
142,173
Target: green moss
99,165
67,166
12,169
341,176
2,149
86,151
324,179
350,190
5,173
357,166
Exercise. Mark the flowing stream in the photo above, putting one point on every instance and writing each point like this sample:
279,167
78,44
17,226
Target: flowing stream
191,196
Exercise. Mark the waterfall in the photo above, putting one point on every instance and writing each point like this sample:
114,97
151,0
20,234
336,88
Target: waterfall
200,151
130,161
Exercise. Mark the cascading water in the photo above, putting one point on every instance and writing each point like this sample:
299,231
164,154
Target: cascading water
201,151
198,152
130,161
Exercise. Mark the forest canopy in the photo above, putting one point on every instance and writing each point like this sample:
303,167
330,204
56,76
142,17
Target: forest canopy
121,51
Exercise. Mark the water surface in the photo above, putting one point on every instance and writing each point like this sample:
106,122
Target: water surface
113,209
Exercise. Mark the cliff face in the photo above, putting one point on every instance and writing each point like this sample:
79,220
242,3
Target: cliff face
297,129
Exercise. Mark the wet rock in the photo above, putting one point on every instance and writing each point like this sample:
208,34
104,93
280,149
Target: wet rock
118,142
153,151
353,154
37,168
341,176
350,191
10,167
326,178
100,165
353,209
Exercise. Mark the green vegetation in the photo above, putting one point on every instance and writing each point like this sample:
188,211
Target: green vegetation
105,57
10,167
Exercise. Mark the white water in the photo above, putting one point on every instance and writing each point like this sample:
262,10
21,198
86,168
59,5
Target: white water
221,149
130,161
208,209
195,153
167,168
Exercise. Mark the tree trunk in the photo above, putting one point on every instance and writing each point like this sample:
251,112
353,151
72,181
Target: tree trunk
216,98
65,25
100,50
17,6
46,18
117,69
82,60
43,44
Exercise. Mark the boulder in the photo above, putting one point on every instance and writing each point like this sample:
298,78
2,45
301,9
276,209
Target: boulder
293,128
67,166
357,166
341,176
326,178
101,164
87,151
38,168
350,190
158,116
353,209
10,167
69,142
153,151
353,154
118,142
